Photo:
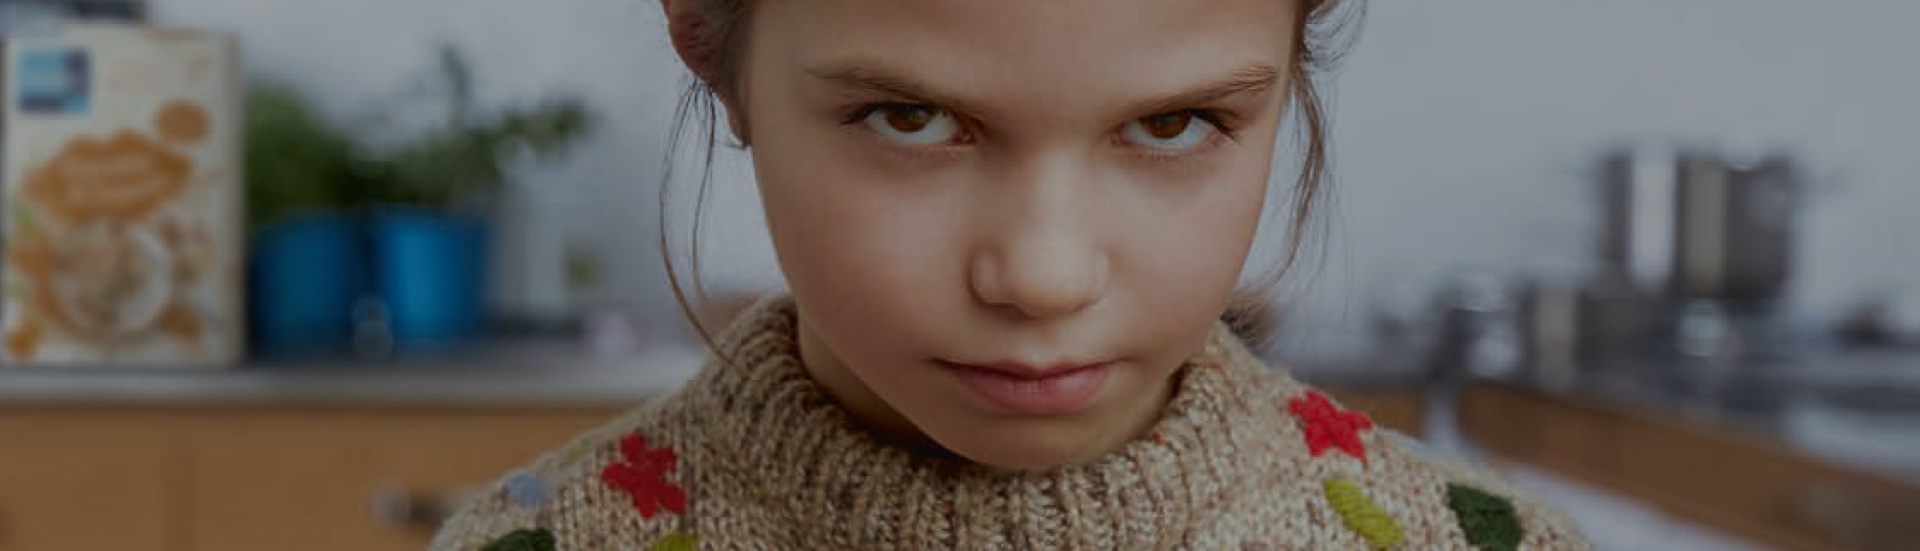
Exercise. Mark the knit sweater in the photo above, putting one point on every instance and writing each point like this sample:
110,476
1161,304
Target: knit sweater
753,454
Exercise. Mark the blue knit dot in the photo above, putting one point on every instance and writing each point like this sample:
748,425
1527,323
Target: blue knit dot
525,489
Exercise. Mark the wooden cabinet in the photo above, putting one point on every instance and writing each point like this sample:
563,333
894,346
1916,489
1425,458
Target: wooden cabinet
85,499
1733,481
369,481
255,478
83,483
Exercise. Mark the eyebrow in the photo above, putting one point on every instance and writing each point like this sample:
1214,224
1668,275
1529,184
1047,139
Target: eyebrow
878,78
1252,79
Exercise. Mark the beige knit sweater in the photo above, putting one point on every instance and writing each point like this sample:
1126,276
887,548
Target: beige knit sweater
752,454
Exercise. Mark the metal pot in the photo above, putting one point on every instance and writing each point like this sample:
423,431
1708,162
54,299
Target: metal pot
1698,224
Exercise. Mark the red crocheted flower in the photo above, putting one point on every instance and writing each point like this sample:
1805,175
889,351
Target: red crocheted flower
1328,426
643,475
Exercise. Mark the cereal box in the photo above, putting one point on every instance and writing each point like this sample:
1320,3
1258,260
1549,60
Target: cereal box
122,198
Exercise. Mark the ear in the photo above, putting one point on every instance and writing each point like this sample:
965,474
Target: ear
697,40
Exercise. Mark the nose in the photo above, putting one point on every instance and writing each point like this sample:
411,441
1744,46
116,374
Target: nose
1042,256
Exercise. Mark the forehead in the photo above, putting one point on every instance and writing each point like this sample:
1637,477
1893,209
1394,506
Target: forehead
1033,49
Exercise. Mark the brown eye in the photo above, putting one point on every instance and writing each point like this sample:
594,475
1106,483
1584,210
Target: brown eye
915,125
907,118
1167,126
1176,131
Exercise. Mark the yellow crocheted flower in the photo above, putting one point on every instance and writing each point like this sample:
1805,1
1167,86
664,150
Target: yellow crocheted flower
677,541
1361,515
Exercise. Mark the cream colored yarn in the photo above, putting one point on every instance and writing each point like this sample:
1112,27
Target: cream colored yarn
767,461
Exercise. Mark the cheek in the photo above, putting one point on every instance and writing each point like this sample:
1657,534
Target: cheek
843,221
1190,258
838,216
1228,220
861,257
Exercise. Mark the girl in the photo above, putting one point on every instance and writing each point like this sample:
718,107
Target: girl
1010,229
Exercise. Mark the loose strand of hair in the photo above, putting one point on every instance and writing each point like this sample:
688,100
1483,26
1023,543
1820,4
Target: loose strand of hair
1327,31
693,99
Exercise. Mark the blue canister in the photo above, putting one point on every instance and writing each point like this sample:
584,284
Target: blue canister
431,272
305,276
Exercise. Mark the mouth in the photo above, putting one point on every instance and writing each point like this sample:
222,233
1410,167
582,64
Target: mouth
1033,389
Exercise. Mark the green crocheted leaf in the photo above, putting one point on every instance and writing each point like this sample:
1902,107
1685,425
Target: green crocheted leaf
1488,520
1361,515
538,539
677,541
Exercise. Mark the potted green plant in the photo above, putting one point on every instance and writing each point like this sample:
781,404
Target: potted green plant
307,260
430,246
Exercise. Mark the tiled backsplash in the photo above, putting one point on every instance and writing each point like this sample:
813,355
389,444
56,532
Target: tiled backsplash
1465,129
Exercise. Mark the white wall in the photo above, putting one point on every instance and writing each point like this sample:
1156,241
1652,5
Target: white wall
1464,128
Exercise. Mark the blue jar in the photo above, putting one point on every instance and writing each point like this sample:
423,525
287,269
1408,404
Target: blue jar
305,275
431,272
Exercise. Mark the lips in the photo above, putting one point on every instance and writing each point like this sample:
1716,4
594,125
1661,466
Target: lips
1032,371
1033,389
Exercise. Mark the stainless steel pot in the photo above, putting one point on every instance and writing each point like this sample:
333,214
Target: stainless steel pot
1700,224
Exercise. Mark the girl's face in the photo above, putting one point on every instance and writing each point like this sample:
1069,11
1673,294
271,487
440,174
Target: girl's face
1007,222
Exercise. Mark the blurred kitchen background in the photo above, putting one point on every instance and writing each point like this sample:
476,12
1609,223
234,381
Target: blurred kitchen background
1654,259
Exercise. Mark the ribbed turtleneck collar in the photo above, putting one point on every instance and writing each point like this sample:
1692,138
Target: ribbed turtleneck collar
764,425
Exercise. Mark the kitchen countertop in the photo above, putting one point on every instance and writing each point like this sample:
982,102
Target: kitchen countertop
517,374
1856,409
